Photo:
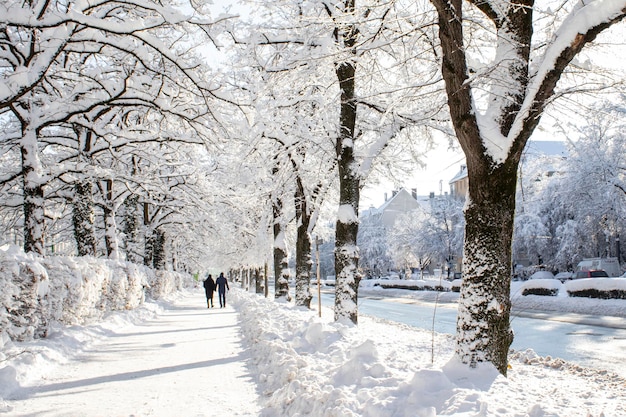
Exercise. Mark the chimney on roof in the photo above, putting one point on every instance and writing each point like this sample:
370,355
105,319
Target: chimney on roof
414,193
431,195
385,196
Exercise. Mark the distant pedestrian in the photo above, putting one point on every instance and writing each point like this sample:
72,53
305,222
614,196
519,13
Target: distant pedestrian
222,286
209,289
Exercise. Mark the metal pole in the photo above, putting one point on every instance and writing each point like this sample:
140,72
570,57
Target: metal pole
319,291
267,290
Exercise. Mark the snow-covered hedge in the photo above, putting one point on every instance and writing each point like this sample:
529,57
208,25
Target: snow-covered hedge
416,285
607,288
597,288
71,290
542,286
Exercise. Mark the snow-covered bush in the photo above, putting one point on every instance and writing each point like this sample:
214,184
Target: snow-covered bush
23,292
597,288
165,282
71,290
416,285
541,286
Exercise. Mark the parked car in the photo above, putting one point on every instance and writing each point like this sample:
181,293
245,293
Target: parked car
542,275
610,265
564,276
598,273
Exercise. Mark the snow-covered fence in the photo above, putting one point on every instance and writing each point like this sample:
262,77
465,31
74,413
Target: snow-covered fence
36,290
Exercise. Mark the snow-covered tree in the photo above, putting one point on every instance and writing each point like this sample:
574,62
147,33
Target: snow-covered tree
80,55
373,244
428,235
492,129
575,209
317,50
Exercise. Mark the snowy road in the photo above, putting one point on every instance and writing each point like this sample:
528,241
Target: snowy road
569,336
187,357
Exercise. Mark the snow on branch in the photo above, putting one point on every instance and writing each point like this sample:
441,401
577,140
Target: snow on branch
584,23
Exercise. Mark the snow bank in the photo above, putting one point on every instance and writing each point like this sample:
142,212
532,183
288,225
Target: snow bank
306,365
34,291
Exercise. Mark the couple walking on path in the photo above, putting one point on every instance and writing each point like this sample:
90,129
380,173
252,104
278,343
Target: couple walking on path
221,284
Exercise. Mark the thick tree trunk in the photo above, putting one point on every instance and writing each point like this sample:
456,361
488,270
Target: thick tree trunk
110,225
516,101
258,281
158,250
281,267
33,194
83,217
131,229
483,329
303,249
110,233
347,227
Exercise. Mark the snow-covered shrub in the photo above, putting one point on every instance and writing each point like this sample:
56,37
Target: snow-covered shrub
137,276
540,291
71,290
416,285
549,287
165,282
597,288
25,309
76,288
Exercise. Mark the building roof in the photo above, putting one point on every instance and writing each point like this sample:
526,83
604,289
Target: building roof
402,201
459,175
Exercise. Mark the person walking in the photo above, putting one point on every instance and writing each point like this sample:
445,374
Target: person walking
222,286
209,289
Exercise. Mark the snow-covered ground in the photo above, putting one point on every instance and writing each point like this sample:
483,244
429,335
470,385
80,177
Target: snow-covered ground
259,357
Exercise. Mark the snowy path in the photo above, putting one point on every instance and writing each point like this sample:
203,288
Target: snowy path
186,361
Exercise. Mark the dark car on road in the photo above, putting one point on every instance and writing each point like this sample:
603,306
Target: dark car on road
591,274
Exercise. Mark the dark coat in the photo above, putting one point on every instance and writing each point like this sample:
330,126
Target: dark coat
209,285
221,283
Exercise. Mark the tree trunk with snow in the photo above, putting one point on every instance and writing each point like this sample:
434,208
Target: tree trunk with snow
281,267
110,232
33,188
159,253
83,217
493,142
347,226
110,225
131,229
303,247
258,281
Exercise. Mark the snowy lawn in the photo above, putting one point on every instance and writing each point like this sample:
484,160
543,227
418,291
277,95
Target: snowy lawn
273,359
